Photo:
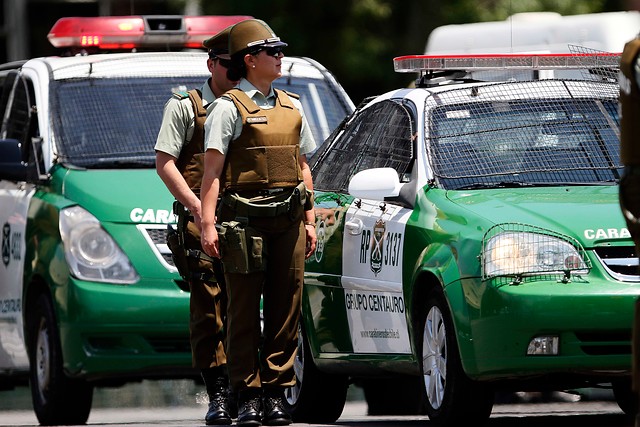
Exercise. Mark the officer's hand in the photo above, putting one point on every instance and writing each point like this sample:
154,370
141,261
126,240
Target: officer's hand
209,240
311,240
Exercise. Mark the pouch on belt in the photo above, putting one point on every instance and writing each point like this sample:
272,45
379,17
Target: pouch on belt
175,241
241,248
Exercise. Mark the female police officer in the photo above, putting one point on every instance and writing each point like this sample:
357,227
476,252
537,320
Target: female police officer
179,163
256,144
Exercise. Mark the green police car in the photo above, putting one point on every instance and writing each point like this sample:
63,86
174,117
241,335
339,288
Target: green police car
89,294
470,241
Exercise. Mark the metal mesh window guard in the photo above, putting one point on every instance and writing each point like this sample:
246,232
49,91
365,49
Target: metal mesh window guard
110,116
380,136
538,132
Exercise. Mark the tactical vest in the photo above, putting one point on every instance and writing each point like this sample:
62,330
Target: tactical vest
629,106
190,163
266,153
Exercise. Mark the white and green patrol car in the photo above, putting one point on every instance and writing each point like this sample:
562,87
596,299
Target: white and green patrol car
470,241
89,295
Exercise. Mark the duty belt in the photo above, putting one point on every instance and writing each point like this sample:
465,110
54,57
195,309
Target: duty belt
245,208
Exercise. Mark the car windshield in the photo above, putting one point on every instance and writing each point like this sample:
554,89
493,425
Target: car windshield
559,139
105,123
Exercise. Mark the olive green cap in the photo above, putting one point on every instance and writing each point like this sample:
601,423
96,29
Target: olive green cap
252,33
219,44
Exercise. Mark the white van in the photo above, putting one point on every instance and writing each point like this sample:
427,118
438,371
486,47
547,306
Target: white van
537,32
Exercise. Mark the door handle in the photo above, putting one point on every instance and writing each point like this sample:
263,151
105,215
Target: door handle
354,226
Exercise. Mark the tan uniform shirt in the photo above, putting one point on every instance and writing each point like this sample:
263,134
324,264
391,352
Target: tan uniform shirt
178,121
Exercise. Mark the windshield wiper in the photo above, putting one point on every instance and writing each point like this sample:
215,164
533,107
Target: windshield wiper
121,164
502,184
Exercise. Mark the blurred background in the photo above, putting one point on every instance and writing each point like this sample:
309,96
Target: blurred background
355,39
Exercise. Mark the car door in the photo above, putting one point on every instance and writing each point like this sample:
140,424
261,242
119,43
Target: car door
373,234
16,103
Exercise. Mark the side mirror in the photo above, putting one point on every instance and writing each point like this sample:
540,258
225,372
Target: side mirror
12,167
375,184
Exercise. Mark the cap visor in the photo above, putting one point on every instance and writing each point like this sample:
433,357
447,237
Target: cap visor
275,44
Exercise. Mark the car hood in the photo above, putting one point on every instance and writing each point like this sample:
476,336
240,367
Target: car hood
589,214
120,195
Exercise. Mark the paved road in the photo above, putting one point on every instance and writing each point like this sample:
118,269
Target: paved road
141,409
583,414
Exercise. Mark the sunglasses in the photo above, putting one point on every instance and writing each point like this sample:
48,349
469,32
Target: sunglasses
270,51
226,63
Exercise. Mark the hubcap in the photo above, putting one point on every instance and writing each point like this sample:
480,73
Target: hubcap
434,357
43,359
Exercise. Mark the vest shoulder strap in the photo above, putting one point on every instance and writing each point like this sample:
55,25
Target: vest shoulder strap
291,94
196,145
196,101
239,97
283,98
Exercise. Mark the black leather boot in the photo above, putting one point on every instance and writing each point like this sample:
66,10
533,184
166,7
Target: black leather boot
250,407
217,384
275,413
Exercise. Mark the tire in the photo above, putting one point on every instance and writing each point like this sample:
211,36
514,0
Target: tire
451,397
317,397
57,399
625,397
400,395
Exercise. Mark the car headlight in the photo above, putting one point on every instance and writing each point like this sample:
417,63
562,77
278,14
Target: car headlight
518,253
91,252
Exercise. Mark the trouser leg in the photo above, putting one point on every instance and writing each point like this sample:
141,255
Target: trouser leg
243,323
207,307
281,306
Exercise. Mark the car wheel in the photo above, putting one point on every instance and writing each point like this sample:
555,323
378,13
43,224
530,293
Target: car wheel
407,397
317,397
625,397
451,397
57,399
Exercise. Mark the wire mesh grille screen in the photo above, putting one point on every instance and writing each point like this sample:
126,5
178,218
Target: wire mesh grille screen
523,251
114,121
381,136
534,132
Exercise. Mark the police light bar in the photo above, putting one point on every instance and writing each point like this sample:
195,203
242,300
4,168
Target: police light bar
568,61
130,32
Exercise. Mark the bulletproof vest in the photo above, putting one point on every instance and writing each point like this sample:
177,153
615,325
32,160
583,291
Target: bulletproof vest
629,106
190,163
266,153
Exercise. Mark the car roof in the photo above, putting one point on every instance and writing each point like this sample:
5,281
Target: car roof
191,63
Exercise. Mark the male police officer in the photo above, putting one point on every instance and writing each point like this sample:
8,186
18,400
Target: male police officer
630,138
629,80
179,162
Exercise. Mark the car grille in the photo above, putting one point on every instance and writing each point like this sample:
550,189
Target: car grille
621,262
156,236
605,343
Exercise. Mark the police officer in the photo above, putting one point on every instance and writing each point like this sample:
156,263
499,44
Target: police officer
179,163
630,138
629,80
257,139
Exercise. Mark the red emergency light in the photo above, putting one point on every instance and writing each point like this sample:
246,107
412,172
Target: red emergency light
133,32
